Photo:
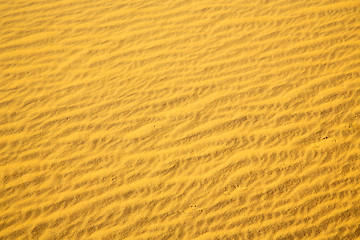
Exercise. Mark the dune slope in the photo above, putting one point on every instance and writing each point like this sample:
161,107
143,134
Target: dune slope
180,119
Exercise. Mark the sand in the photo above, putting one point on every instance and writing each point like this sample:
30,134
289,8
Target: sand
180,119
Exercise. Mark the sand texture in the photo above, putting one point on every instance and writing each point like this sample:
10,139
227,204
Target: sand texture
180,119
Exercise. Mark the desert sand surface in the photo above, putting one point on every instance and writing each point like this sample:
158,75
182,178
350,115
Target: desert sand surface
180,119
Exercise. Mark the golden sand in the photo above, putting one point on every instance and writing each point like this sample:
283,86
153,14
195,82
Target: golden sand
180,119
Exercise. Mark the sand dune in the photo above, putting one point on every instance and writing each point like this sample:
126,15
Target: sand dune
180,119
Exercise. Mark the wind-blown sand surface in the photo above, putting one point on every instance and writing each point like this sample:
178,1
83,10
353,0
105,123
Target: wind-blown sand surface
180,119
